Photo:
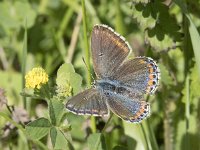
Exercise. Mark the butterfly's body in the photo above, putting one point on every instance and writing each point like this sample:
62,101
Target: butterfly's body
113,87
108,87
121,83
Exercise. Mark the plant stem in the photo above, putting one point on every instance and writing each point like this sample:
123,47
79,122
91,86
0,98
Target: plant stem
104,128
86,44
87,57
8,107
107,123
145,136
152,138
24,55
93,124
31,96
187,111
74,39
59,35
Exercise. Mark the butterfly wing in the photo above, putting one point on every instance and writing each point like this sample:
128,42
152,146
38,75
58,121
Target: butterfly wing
88,102
131,110
140,74
109,50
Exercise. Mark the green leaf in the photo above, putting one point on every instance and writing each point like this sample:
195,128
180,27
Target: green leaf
144,16
195,38
194,85
158,39
13,14
56,111
58,139
96,141
8,20
195,82
165,76
75,121
38,128
67,77
30,14
138,136
66,68
194,34
162,30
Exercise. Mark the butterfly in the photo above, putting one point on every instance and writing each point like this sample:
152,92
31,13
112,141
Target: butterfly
121,83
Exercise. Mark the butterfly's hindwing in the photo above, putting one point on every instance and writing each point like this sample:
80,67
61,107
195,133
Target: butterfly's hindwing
131,110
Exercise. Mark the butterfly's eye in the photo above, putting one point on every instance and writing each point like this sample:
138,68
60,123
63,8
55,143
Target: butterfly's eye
107,93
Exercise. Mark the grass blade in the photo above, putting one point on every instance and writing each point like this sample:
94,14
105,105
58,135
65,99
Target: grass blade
194,35
24,57
187,111
87,57
152,137
195,38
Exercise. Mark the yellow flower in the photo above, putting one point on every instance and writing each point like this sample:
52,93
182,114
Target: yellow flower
36,77
64,90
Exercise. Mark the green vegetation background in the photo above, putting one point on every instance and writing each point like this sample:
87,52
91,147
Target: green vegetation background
49,33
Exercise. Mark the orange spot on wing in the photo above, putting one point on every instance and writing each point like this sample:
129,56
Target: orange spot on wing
151,70
150,82
151,76
137,115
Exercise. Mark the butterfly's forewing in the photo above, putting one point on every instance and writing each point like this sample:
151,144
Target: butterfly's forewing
109,50
140,74
131,110
88,102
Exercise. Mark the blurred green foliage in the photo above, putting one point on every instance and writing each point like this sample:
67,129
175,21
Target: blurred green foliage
167,31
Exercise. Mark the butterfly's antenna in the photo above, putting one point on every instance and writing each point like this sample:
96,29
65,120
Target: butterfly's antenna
88,70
